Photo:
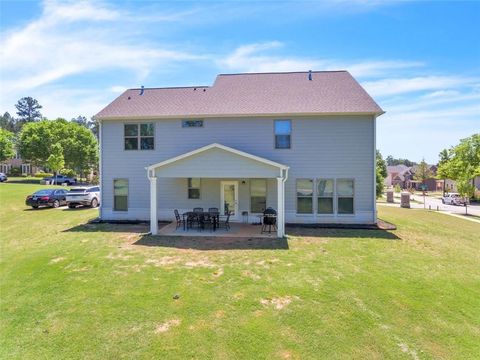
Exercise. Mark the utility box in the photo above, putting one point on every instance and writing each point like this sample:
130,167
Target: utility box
405,200
390,196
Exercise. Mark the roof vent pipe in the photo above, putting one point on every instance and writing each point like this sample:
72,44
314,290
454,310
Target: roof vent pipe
142,90
310,75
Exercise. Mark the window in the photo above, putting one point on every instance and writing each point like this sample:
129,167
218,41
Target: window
192,123
26,169
283,131
325,196
120,194
258,195
304,196
345,193
139,136
193,188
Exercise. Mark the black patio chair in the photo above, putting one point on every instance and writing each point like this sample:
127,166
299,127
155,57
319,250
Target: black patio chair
180,221
213,210
226,222
198,209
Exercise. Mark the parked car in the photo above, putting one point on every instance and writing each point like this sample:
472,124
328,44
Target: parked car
453,199
3,177
60,179
89,195
47,197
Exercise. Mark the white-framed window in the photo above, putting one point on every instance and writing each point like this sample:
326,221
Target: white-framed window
139,136
194,188
325,193
258,195
26,169
120,194
5,168
304,196
283,134
194,123
345,196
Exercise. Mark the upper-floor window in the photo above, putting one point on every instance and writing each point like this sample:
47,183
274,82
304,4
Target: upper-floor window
283,133
139,136
192,123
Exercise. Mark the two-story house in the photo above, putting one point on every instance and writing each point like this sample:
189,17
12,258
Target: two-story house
300,142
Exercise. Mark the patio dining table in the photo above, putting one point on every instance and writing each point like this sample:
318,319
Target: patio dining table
214,215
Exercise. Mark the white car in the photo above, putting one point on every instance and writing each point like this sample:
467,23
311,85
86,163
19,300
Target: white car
88,195
453,199
3,177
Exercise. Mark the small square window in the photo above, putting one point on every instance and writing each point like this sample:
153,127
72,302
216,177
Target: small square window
131,143
131,130
146,143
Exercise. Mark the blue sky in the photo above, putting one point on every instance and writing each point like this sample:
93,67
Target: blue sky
419,60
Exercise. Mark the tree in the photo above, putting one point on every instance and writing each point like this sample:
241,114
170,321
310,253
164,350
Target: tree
91,124
463,160
7,150
444,157
381,174
466,189
422,172
391,161
80,148
55,160
28,111
81,120
7,122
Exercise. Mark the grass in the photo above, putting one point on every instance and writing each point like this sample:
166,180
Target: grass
88,291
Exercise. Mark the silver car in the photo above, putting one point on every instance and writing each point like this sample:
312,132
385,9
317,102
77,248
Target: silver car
3,177
88,195
453,199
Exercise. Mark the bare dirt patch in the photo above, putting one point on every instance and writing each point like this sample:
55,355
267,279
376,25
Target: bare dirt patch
199,263
251,275
163,261
162,328
278,303
56,260
112,256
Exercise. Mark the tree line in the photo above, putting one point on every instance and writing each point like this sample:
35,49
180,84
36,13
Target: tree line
57,144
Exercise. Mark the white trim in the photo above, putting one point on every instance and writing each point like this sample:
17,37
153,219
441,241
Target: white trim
153,206
221,116
217,146
100,169
374,169
222,198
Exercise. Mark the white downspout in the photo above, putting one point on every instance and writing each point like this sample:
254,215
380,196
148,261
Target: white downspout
153,202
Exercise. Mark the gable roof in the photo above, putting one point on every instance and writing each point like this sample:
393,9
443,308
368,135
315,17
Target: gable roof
329,92
221,147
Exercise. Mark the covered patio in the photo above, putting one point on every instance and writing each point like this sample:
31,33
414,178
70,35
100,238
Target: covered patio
237,230
216,161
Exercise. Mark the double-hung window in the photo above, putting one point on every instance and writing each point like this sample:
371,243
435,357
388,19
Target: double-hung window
258,195
139,136
194,188
120,194
304,196
283,134
345,196
325,196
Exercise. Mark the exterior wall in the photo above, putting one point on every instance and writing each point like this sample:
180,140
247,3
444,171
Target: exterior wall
322,147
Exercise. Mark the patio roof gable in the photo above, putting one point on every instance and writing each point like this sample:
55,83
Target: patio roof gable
216,160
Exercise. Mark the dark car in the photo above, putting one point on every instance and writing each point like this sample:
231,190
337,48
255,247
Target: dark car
47,197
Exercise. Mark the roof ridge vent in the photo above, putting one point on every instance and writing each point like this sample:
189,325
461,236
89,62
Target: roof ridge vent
310,75
142,90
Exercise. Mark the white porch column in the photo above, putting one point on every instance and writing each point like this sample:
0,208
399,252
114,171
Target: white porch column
153,206
280,207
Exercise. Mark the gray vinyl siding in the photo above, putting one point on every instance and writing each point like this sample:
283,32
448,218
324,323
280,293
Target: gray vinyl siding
322,147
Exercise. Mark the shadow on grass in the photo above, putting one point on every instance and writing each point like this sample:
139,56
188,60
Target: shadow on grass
140,228
341,233
214,242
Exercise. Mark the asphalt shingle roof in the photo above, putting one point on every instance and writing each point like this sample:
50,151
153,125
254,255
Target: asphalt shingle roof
329,92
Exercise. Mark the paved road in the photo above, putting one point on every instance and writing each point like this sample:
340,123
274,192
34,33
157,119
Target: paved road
473,209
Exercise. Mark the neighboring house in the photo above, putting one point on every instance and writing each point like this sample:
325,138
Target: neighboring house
404,176
399,175
300,142
24,168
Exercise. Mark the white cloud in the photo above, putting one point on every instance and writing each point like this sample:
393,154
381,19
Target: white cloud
388,87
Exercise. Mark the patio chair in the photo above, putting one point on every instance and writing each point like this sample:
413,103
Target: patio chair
198,209
226,222
180,221
213,210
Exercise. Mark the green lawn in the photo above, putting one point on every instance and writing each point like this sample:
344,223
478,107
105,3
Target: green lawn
88,292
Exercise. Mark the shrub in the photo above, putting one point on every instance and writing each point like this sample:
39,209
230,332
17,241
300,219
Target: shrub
95,180
397,188
15,171
69,173
41,174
